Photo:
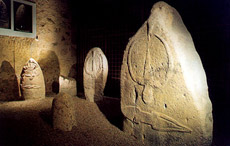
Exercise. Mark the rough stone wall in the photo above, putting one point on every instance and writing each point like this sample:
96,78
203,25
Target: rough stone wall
53,51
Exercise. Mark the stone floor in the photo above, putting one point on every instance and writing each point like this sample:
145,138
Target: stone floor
29,123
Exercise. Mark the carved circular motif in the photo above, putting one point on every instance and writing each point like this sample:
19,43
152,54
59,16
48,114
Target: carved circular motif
148,62
93,64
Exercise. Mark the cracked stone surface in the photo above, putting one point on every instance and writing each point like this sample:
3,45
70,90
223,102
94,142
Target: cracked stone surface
164,93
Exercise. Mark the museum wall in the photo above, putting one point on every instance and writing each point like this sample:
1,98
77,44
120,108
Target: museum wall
52,49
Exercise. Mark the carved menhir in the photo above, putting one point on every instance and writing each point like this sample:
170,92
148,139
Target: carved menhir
95,74
164,95
32,81
63,112
68,85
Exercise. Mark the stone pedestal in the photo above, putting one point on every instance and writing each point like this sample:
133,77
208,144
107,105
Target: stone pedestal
95,74
164,93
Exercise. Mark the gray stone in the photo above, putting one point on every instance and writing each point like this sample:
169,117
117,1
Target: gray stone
32,81
68,85
164,93
95,74
64,115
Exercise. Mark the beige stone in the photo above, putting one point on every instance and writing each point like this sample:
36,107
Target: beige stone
9,84
95,74
64,117
164,93
32,81
53,49
68,85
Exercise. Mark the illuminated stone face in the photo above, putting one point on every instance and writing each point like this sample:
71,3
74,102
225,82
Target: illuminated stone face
164,93
68,85
95,74
32,81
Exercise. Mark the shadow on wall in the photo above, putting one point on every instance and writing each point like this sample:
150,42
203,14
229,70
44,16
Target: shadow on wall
49,64
73,73
9,87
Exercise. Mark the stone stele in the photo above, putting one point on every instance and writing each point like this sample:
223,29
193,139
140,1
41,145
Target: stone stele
68,85
32,81
64,117
95,74
164,93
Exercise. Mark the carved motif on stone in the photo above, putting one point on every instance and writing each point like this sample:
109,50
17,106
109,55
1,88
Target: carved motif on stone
158,121
160,76
95,74
93,63
148,71
32,81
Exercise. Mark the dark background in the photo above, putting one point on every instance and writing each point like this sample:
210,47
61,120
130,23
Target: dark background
109,24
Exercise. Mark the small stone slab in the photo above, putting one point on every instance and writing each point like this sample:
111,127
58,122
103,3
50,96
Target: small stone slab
95,74
164,93
32,81
68,85
64,117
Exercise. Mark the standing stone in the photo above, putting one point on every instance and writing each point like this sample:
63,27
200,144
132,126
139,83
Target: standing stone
32,81
64,117
68,85
95,74
164,93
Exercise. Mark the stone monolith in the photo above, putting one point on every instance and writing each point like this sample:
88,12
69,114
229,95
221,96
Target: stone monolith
32,81
164,93
95,74
63,112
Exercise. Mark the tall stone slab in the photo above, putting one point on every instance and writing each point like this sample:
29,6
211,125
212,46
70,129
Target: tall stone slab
164,93
32,81
95,74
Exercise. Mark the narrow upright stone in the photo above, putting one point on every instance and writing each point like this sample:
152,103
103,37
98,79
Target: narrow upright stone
164,93
64,116
32,81
95,74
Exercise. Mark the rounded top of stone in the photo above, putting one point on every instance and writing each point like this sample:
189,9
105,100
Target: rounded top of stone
62,96
32,60
63,99
96,49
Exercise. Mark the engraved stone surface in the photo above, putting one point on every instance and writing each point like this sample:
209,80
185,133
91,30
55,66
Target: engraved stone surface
164,93
32,81
95,74
68,85
64,117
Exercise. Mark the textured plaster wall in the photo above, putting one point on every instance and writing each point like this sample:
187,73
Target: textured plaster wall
53,51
